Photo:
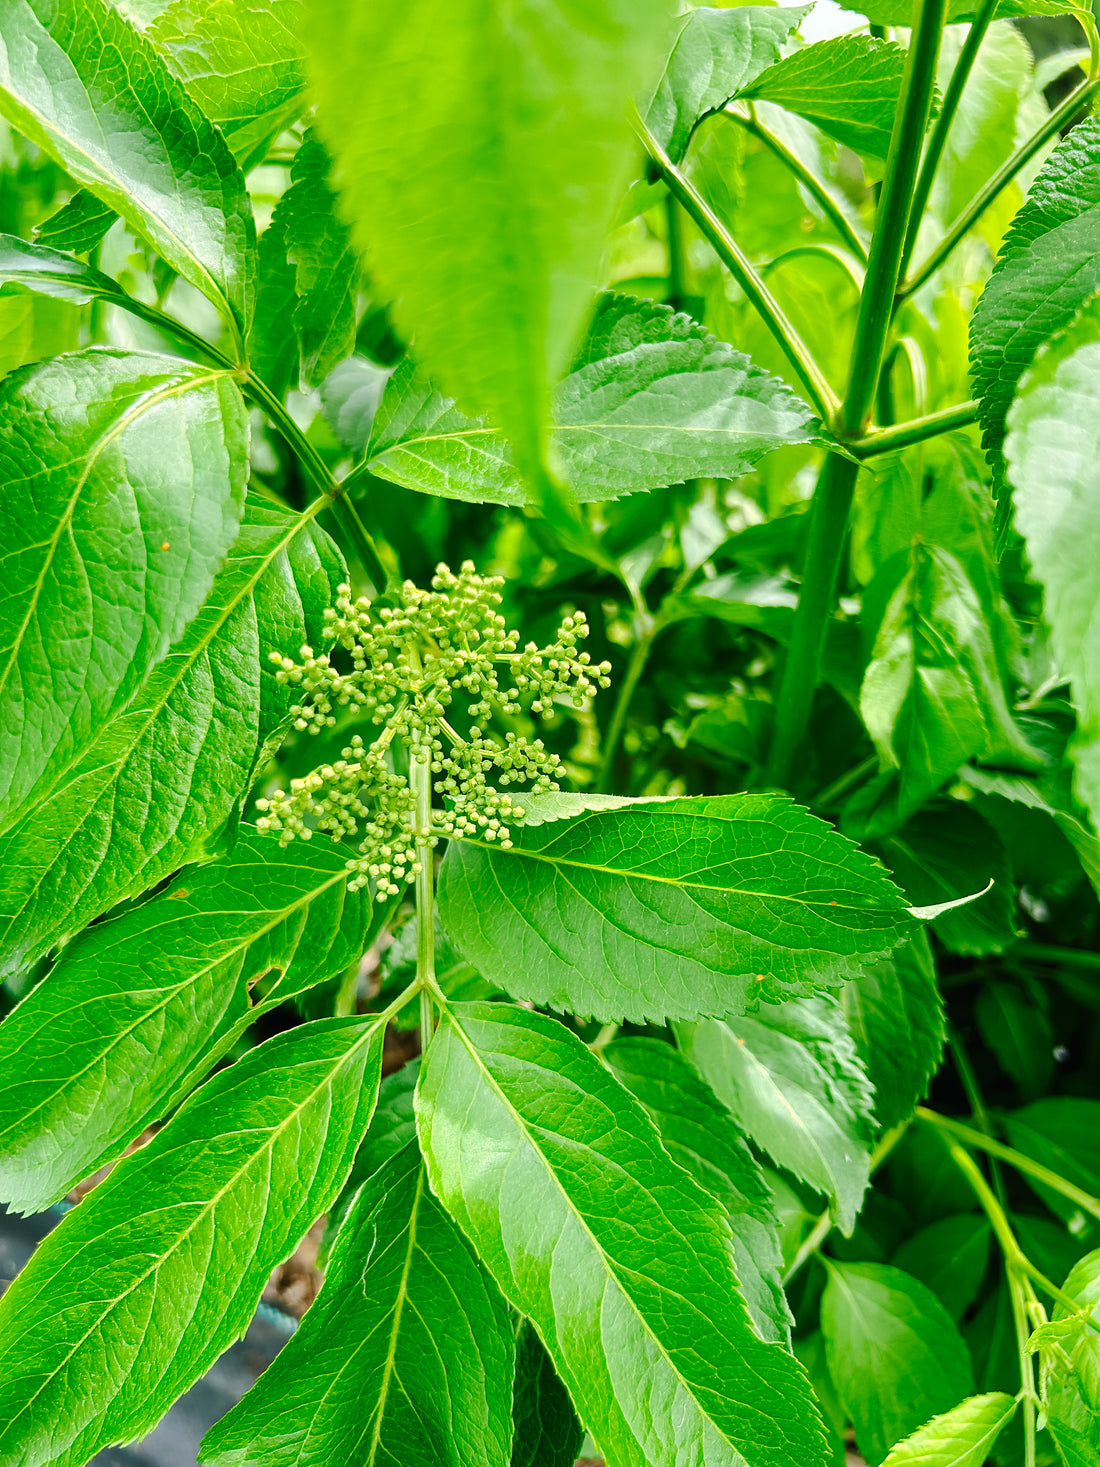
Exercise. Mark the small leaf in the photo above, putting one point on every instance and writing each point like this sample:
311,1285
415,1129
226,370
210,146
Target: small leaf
1071,1373
481,157
651,399
716,55
893,1351
124,477
327,269
136,1007
67,68
1048,267
48,271
950,1257
1055,474
673,909
849,86
405,1356
241,63
161,777
547,1432
139,1290
896,1017
790,1074
638,1302
78,225
701,1135
962,1437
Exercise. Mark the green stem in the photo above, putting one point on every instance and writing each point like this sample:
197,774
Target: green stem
677,293
917,430
970,1137
420,777
639,656
962,226
316,470
737,262
1072,956
836,485
808,179
938,141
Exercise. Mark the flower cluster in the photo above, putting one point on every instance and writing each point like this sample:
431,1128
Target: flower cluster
404,666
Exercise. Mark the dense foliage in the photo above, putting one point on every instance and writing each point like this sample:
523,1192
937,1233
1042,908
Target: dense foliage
573,530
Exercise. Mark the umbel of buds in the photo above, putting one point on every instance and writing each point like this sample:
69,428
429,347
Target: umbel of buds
403,666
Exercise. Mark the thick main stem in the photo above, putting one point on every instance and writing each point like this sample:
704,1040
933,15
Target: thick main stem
836,486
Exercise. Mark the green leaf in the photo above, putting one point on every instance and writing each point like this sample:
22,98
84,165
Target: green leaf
1063,1133
638,1302
1018,1032
948,851
674,909
272,340
161,777
33,327
48,271
1055,477
849,86
901,12
1021,791
716,55
139,1290
950,1257
701,1135
124,480
652,399
1048,267
327,269
547,1432
961,1437
241,63
78,225
481,157
896,1018
790,1074
138,1007
893,1351
933,693
405,1356
95,96
1071,1371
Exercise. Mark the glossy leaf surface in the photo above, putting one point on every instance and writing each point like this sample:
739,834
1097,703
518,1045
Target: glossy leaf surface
651,399
791,1076
137,1005
140,1289
406,1355
702,1136
156,785
637,1304
78,225
962,1437
92,93
893,1351
124,480
481,157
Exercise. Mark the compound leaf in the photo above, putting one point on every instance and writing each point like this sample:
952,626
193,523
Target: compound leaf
716,55
124,478
790,1074
156,785
1048,267
405,1356
481,156
893,1351
637,1303
135,1006
702,1136
1055,475
961,1437
133,1297
674,909
241,63
652,399
849,86
81,83
896,1017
